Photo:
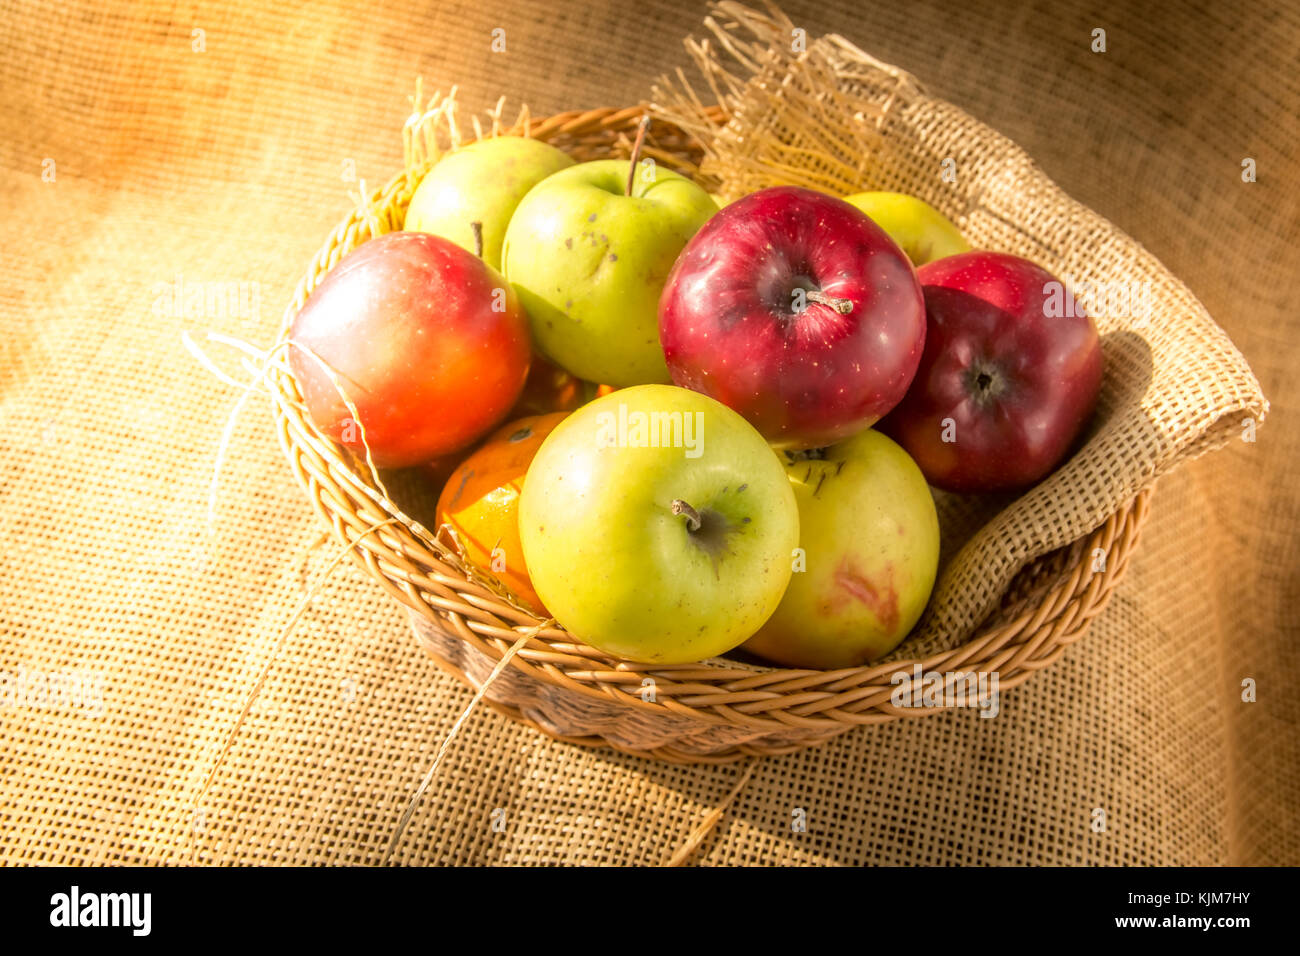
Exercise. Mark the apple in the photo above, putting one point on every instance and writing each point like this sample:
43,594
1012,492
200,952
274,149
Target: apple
481,182
1006,384
480,501
870,536
799,312
589,262
920,230
658,526
426,342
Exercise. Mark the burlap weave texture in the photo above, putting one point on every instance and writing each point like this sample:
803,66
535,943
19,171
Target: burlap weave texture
228,166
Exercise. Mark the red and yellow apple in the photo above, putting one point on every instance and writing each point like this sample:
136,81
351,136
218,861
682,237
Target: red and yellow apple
426,342
869,540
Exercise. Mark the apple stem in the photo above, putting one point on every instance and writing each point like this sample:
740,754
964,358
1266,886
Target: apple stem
636,152
842,306
477,228
692,516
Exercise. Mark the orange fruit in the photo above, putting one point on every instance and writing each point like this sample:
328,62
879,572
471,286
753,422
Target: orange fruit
481,501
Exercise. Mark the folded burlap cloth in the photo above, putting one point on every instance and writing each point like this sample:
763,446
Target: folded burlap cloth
823,114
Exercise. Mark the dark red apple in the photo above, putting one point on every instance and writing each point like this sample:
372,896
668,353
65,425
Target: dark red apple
796,310
1006,383
428,343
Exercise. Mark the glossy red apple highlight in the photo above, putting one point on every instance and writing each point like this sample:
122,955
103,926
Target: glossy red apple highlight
796,310
429,344
1006,384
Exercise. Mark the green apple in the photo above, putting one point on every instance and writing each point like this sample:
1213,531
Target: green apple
589,263
920,230
482,182
869,534
658,525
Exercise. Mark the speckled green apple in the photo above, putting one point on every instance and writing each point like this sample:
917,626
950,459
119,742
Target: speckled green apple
870,539
589,263
484,182
667,552
920,230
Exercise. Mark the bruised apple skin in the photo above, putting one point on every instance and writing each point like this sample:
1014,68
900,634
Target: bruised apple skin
869,542
799,312
1006,384
428,343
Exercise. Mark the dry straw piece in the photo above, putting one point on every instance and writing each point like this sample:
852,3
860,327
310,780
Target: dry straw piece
1021,578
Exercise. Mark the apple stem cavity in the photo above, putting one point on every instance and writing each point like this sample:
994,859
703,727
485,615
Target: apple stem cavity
680,507
842,306
477,228
636,152
985,382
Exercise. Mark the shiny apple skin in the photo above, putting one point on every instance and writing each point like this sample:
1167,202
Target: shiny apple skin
407,323
986,314
729,330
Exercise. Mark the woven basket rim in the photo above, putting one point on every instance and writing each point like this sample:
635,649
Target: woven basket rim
717,691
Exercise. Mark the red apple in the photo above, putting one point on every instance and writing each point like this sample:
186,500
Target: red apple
428,343
1006,383
796,310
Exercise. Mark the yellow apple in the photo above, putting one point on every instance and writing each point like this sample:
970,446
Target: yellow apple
869,537
481,182
920,230
589,263
657,525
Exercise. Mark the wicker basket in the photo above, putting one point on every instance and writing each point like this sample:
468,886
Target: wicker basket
715,711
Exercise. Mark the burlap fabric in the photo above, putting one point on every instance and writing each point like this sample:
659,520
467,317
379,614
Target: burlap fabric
158,179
